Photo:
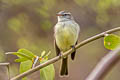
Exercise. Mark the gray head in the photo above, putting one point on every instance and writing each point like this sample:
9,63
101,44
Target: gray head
64,16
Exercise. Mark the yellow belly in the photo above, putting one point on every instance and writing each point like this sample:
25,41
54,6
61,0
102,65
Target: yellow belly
66,38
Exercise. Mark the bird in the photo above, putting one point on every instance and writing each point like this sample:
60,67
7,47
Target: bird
66,33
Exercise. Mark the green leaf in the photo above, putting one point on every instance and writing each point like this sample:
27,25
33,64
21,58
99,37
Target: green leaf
25,57
24,66
27,52
48,72
111,41
22,55
21,59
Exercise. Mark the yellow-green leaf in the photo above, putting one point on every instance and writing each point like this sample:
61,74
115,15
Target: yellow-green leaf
43,53
111,41
22,55
21,59
24,66
27,52
47,73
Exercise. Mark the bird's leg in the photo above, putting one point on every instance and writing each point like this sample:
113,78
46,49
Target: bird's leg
73,47
60,54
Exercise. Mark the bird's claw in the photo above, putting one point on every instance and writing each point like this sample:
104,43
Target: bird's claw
60,55
73,47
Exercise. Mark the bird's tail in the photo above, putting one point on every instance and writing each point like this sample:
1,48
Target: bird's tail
64,67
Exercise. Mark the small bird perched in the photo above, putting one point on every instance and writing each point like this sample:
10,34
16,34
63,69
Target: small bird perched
66,33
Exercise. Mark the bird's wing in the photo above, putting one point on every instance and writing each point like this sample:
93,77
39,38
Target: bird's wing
56,48
73,54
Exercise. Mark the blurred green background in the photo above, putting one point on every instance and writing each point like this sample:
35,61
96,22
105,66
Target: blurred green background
29,24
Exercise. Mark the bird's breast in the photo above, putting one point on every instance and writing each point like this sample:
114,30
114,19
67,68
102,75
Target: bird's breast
66,36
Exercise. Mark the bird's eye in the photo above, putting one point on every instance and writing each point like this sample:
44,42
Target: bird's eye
65,14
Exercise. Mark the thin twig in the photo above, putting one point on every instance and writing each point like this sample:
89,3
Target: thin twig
35,61
103,65
53,60
4,64
8,69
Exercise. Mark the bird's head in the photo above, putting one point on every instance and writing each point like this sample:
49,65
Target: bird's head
64,16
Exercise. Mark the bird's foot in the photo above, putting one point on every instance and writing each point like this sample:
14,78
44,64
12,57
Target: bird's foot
60,55
73,47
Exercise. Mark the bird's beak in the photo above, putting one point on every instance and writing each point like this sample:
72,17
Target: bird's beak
57,14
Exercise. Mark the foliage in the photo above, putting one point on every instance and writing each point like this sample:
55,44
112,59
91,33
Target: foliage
112,41
26,59
48,72
24,66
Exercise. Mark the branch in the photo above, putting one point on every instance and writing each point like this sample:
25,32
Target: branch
104,65
7,65
53,60
4,64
